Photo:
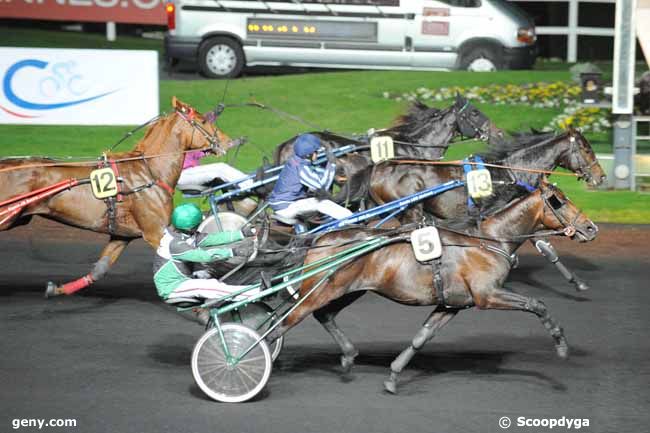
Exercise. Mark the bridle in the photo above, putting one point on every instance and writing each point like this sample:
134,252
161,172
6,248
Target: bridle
478,130
578,157
555,204
189,115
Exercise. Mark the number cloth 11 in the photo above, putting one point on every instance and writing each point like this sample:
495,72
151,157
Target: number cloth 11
381,148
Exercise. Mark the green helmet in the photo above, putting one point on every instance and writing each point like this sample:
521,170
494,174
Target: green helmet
187,216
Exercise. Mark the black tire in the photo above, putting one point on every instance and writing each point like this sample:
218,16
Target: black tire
221,57
481,54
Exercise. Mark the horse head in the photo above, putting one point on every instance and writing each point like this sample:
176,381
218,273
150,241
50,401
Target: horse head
198,131
581,159
472,123
559,213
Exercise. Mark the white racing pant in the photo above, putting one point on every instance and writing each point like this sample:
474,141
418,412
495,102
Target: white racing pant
203,174
307,205
208,289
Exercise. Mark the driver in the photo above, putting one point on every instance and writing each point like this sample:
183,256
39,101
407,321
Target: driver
196,174
298,177
181,246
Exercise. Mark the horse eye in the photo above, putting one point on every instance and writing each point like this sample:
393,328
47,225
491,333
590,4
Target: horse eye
555,202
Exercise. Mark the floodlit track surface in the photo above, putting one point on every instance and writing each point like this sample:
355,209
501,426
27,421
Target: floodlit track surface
117,359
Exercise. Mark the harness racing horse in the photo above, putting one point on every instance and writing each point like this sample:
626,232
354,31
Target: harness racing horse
393,179
424,132
474,265
149,174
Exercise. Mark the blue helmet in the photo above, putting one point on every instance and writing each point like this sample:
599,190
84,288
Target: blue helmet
305,145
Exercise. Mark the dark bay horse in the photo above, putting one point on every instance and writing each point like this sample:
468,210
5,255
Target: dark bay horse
423,132
149,172
474,265
393,179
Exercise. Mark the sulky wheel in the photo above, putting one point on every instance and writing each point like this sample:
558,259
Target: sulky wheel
227,221
260,317
227,380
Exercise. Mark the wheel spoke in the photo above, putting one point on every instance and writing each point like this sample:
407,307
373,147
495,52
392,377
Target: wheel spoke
248,359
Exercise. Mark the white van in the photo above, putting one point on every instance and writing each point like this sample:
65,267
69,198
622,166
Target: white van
224,36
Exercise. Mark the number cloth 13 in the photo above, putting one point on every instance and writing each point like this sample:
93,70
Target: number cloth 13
479,183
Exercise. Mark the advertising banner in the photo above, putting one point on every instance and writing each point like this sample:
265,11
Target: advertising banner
121,11
42,86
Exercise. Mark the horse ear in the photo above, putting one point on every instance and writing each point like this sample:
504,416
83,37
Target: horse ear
180,105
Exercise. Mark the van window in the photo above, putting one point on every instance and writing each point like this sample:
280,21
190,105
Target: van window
463,3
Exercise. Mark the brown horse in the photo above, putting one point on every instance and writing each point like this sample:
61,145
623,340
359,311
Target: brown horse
470,273
571,150
392,179
149,174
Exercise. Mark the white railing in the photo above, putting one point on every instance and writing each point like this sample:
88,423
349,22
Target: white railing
572,30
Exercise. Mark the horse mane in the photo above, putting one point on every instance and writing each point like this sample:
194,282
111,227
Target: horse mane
520,140
28,157
503,198
17,159
418,115
150,129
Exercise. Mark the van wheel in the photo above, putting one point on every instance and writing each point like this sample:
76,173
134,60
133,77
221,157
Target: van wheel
221,58
481,59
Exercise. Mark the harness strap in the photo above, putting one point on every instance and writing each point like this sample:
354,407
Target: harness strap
116,172
526,185
438,283
510,258
165,186
111,210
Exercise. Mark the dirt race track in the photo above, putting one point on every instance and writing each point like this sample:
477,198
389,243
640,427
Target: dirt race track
116,359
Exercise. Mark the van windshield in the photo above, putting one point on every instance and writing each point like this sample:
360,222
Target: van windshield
462,3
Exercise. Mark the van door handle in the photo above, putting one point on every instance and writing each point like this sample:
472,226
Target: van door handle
408,43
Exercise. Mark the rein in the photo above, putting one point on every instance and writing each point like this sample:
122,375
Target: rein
136,129
94,162
277,112
486,164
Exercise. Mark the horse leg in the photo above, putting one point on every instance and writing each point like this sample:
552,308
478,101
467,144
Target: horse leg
108,257
501,299
326,317
323,296
436,320
547,250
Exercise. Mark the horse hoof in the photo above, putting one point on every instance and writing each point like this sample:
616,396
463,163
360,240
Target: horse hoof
347,362
581,286
390,386
50,290
562,350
